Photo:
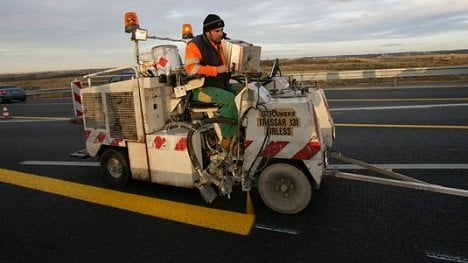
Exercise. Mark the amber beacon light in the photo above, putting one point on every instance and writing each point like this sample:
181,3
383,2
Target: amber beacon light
187,31
131,22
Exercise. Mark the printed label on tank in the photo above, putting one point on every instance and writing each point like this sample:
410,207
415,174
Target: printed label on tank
279,121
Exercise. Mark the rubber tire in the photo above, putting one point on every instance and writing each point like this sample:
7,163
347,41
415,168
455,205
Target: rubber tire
114,163
284,188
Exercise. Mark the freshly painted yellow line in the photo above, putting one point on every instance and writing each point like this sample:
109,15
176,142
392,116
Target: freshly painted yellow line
400,99
410,126
228,221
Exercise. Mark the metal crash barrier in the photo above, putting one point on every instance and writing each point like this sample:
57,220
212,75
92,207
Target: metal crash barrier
304,76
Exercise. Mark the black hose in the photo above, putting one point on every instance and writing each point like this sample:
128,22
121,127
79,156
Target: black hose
267,136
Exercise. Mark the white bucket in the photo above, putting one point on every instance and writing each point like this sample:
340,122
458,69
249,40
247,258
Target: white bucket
166,58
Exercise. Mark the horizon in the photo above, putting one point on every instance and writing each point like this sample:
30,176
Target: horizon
456,51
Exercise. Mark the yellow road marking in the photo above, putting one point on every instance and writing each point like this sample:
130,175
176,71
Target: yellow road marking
227,221
408,126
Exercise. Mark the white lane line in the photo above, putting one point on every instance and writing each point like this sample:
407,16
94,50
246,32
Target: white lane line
445,257
24,121
405,166
43,104
278,229
59,163
400,107
455,86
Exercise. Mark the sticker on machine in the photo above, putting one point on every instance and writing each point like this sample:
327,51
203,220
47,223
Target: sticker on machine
279,121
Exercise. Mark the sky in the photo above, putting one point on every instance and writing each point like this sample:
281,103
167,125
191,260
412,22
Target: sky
51,35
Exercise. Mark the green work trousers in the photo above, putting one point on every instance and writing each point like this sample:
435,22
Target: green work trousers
225,100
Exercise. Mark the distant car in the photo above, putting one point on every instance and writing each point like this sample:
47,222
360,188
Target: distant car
9,93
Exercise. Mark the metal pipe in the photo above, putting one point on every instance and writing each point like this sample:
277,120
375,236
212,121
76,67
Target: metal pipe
369,167
412,185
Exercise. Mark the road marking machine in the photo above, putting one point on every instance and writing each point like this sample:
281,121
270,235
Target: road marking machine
147,128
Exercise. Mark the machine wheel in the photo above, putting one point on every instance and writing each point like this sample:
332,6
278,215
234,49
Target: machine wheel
284,188
115,165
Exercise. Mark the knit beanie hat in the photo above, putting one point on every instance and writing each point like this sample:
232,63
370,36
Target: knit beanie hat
211,22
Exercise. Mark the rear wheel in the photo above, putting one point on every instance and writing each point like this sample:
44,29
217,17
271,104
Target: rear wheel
284,188
115,165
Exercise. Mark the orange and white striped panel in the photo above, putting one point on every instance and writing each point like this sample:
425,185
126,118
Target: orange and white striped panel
77,106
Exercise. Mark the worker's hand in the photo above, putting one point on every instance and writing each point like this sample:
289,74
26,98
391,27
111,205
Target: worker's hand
222,69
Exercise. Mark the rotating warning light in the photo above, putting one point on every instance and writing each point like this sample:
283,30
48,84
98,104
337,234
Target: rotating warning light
187,31
131,22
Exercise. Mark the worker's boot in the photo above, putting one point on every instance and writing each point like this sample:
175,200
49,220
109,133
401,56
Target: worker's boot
226,145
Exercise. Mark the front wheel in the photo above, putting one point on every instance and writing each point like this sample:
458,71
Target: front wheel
284,188
115,166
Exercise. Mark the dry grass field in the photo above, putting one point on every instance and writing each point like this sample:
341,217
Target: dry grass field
62,79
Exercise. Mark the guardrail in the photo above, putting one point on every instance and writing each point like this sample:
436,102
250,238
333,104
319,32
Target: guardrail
55,93
380,73
323,76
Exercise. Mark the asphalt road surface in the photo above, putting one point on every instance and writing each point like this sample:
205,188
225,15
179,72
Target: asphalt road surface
60,209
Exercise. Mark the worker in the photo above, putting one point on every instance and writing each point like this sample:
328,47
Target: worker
204,56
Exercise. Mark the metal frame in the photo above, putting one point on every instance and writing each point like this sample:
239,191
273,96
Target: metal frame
404,181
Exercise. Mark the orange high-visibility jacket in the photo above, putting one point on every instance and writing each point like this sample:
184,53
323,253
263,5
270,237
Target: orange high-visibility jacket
193,58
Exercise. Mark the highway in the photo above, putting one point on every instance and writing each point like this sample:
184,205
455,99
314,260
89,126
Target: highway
56,208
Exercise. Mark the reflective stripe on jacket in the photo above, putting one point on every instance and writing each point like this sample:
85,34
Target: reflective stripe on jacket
202,57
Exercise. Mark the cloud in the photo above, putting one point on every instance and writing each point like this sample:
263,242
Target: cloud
88,33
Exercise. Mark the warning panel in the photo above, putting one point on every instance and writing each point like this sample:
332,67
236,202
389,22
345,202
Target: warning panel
279,121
